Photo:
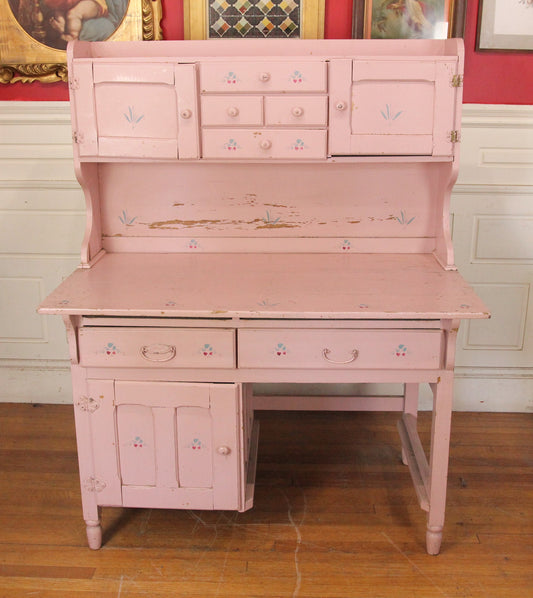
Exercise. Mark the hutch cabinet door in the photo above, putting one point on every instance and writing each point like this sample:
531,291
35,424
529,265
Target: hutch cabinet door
169,444
392,107
130,110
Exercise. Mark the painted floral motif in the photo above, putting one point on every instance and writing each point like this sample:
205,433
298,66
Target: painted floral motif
137,442
269,220
170,304
403,219
346,245
196,444
298,145
401,351
126,219
297,77
231,145
363,306
133,118
281,349
267,303
389,113
111,349
193,244
231,78
207,350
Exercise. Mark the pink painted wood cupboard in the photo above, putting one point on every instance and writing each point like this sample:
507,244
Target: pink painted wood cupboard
257,212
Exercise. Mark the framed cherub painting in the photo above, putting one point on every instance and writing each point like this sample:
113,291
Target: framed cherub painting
34,33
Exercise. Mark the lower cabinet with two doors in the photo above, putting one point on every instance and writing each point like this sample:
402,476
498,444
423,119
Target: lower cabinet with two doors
164,444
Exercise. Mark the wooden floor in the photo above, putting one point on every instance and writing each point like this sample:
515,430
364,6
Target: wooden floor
335,516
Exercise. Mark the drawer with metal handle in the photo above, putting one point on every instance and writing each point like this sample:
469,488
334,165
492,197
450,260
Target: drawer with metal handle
157,347
339,348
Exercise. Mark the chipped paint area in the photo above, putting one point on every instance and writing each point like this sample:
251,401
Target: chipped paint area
278,225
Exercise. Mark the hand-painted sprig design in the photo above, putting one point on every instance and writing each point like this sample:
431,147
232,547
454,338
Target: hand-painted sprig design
389,114
125,219
133,118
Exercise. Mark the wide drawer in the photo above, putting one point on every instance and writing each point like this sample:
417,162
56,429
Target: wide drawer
264,143
341,349
265,77
157,347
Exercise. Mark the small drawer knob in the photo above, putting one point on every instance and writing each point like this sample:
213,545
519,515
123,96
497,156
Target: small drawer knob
340,105
265,144
264,77
233,111
186,113
223,450
297,111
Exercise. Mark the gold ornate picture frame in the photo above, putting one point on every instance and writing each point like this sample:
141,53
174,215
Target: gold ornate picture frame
309,20
409,19
34,33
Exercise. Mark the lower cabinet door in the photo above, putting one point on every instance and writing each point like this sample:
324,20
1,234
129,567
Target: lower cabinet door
168,444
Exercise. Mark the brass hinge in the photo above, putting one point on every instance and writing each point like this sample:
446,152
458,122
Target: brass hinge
77,137
457,81
455,136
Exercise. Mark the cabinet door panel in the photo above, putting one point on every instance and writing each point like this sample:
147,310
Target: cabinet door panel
129,110
135,428
179,444
392,107
136,110
195,466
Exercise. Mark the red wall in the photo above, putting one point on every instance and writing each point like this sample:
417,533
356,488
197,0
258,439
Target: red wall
490,77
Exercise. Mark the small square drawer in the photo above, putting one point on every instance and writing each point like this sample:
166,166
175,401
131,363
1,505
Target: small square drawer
232,110
265,77
157,347
296,110
339,349
253,144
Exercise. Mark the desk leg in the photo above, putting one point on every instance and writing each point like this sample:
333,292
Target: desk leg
438,459
410,407
89,484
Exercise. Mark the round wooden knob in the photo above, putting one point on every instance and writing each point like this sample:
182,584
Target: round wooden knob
186,113
297,111
340,105
233,111
265,144
223,450
264,77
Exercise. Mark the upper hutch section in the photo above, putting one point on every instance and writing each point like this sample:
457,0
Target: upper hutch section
257,100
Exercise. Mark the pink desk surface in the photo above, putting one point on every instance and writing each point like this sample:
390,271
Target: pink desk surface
325,286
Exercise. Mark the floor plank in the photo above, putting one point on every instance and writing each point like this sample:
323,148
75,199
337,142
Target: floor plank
335,516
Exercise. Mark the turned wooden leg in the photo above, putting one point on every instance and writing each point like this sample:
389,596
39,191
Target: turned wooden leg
433,539
438,459
410,406
94,534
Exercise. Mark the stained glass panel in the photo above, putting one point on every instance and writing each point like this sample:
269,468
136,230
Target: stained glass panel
254,18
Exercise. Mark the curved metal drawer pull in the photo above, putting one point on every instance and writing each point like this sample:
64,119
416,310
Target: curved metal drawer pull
355,355
158,352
